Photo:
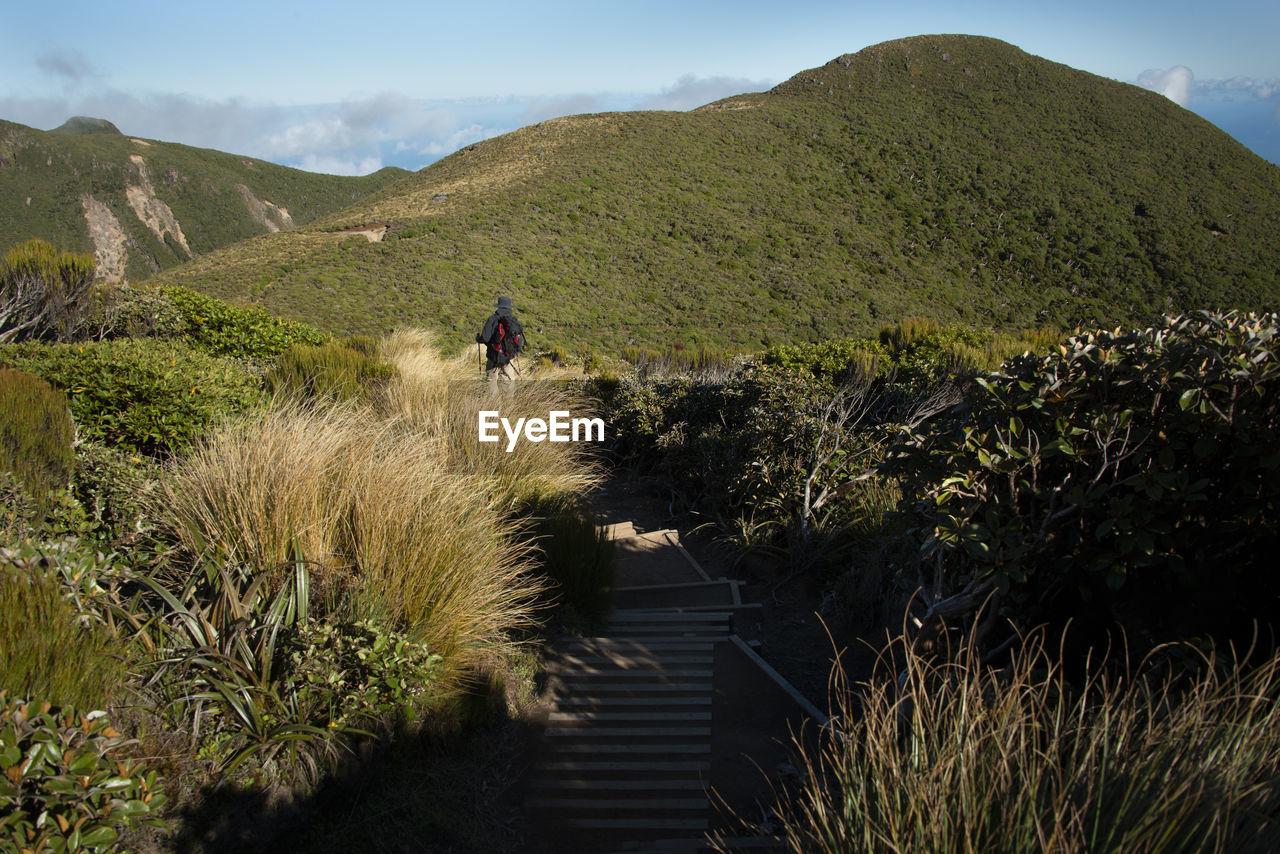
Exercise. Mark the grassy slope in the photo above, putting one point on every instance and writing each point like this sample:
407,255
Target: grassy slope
954,176
54,169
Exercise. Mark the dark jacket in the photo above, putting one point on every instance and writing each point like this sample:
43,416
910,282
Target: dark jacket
491,327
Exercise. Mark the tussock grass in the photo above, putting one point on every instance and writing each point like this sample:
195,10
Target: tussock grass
259,490
400,511
442,399
577,556
392,531
962,756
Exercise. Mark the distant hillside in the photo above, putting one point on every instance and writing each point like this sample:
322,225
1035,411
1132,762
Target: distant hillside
142,206
954,176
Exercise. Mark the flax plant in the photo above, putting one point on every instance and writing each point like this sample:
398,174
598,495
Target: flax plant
959,756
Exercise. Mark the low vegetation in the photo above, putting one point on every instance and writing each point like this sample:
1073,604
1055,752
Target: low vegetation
275,551
263,550
957,754
1063,535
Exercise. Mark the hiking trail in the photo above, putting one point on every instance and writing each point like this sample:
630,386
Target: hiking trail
664,718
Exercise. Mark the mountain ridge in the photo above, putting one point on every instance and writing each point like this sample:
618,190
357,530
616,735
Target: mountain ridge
949,175
141,206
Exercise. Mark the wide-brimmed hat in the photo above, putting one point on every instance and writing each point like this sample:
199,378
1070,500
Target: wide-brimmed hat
504,302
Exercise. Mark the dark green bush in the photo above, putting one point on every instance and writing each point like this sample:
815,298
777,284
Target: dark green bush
244,332
327,372
342,674
112,486
144,396
53,645
1127,480
35,433
67,786
123,311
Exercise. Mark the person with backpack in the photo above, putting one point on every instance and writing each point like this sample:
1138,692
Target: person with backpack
503,339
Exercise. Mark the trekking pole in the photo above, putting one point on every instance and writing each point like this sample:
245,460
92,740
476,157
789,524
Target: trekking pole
480,361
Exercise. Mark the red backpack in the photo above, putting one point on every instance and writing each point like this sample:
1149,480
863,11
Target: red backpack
507,340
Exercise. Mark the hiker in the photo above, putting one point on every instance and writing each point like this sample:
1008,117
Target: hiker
503,339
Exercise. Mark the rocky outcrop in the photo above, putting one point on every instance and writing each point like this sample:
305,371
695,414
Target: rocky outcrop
108,239
152,211
270,216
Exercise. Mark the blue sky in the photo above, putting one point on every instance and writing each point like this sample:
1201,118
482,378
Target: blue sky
351,87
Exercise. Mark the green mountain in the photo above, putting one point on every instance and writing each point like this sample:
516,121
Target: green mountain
953,176
142,206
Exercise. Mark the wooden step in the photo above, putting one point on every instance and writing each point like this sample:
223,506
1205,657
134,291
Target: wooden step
658,784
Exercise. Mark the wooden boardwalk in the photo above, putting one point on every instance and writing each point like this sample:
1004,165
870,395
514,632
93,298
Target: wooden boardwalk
626,758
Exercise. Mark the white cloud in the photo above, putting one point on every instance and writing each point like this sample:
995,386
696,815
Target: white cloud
691,91
1252,87
1175,84
330,165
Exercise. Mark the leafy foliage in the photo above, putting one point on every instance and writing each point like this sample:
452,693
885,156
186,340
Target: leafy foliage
246,332
54,644
149,397
1128,479
266,684
124,311
63,789
760,444
114,487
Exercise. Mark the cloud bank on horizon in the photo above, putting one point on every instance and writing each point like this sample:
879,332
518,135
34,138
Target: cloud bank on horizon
362,134
351,137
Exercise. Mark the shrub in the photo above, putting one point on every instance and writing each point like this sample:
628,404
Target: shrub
129,312
150,397
44,292
64,788
244,332
35,433
358,674
261,683
53,646
831,358
329,371
936,755
1124,480
114,488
